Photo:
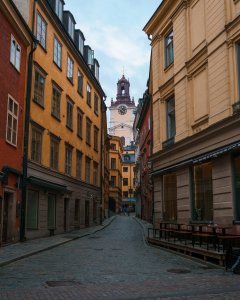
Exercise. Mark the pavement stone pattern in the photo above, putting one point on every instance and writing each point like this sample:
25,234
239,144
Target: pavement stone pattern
112,264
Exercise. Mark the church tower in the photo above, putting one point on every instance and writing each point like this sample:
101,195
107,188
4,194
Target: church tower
122,113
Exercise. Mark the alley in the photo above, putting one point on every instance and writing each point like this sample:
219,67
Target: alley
114,263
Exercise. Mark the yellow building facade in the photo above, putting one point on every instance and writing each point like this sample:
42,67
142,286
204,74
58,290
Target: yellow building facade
115,177
194,84
64,167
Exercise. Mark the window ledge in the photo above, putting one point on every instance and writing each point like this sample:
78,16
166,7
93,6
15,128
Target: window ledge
169,67
59,67
88,144
69,128
168,143
79,136
44,49
71,81
55,117
39,104
80,93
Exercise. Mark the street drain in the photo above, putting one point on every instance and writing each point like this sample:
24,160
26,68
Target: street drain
179,271
56,283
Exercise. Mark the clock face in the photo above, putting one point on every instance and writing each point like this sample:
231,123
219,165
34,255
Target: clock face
122,110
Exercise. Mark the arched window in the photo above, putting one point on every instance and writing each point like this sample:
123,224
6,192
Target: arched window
123,90
122,140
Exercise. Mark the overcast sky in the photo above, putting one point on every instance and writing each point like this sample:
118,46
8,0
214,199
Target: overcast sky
113,29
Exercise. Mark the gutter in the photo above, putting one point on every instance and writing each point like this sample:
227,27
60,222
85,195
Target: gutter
26,131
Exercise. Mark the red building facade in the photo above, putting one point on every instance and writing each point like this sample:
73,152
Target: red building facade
14,42
144,126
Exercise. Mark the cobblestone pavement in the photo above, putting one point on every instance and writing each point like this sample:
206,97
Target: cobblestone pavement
114,263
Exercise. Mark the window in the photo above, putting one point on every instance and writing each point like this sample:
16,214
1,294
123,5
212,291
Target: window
123,141
80,82
79,123
71,27
36,144
57,53
54,152
79,165
41,31
125,181
95,103
59,8
125,194
15,55
113,163
113,146
95,138
89,95
169,49
32,209
81,44
125,169
88,131
69,119
202,207
113,181
39,84
56,98
127,158
68,159
96,69
51,211
70,69
95,174
88,169
12,121
236,165
171,127
170,197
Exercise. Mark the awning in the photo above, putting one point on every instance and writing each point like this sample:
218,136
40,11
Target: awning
200,158
47,184
216,153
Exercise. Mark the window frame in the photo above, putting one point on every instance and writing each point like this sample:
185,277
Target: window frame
57,52
79,164
88,131
56,101
59,9
80,82
69,114
70,68
95,138
38,146
15,59
170,116
68,159
96,101
87,171
36,213
54,141
169,50
14,117
39,34
89,94
80,115
37,95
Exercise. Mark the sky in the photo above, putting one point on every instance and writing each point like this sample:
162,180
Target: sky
113,29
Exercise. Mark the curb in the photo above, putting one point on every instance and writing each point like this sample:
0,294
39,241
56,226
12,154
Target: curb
2,264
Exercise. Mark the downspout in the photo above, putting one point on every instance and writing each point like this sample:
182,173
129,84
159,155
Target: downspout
26,131
101,163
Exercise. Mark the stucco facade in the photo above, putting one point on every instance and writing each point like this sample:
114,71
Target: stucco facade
64,147
195,110
15,42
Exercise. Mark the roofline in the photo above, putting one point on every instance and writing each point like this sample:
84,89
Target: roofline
153,16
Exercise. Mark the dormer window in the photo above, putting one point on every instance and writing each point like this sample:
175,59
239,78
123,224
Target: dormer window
59,8
80,44
96,69
71,27
90,57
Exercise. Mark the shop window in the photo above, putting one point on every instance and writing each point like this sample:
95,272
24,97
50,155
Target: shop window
236,163
202,194
170,197
32,209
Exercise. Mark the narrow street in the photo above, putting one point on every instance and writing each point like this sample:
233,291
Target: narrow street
114,263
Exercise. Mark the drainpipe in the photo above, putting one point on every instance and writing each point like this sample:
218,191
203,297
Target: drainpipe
101,163
26,130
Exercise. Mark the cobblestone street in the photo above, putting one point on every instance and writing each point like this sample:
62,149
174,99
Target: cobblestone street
114,263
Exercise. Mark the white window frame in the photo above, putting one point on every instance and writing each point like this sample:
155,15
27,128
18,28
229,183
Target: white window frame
14,117
57,53
71,27
70,68
41,31
14,59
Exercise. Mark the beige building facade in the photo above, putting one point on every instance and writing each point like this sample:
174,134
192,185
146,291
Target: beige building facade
115,177
194,76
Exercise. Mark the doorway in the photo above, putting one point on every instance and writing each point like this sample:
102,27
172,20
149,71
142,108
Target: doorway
66,201
86,213
4,216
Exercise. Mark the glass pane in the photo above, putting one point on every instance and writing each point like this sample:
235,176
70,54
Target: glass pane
32,209
51,211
